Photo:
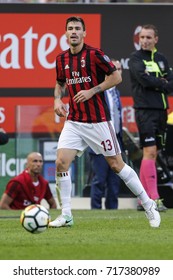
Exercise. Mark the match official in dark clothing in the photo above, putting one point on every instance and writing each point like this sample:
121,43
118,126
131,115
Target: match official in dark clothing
152,81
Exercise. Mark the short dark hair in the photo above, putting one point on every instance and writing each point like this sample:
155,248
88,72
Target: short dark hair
151,26
75,18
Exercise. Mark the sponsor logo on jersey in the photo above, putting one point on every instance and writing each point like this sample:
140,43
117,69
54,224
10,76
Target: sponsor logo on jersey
78,80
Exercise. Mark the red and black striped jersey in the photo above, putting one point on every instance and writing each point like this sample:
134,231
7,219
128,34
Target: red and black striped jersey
83,71
23,192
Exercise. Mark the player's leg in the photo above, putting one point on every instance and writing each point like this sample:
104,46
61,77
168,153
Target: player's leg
130,178
70,144
102,139
64,187
112,153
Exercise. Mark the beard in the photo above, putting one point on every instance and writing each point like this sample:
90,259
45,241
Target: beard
74,44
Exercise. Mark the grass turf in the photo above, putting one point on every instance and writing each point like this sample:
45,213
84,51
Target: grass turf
96,235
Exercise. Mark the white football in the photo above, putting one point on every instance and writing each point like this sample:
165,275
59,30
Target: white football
35,218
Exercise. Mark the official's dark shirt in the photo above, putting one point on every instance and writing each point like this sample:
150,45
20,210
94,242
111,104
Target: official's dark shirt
151,79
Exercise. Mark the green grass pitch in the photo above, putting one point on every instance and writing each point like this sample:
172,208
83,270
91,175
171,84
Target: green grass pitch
96,235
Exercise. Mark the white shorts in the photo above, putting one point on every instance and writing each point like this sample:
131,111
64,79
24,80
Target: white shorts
100,137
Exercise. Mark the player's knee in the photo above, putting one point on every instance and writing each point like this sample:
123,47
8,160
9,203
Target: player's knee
61,165
117,164
115,168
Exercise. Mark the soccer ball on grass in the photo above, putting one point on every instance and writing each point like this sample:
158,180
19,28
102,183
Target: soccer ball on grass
35,218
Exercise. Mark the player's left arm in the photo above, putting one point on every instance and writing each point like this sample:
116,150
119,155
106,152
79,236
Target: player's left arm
112,80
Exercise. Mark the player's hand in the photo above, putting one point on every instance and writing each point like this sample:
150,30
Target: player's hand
60,108
83,95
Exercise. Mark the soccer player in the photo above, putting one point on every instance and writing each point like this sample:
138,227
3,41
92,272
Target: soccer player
152,81
82,69
29,187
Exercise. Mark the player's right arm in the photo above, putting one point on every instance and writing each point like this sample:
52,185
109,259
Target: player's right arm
59,107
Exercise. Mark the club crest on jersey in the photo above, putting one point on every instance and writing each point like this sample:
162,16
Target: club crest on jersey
83,62
106,58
